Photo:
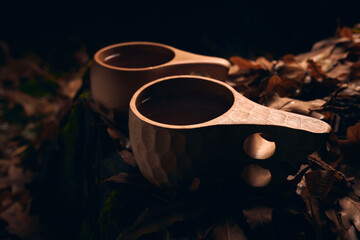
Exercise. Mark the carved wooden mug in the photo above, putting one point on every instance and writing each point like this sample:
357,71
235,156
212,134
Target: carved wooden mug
121,69
187,127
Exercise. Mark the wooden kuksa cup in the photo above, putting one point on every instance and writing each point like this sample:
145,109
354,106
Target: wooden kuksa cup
121,69
188,127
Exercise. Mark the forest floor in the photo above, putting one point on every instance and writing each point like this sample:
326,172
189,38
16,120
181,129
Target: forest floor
323,83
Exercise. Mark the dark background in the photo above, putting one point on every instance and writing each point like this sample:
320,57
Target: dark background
53,29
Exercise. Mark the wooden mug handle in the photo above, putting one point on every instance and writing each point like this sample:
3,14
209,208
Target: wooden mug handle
195,64
245,111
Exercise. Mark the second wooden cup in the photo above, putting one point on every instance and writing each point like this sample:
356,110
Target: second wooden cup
121,69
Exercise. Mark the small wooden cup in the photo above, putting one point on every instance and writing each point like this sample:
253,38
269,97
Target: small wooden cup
187,127
121,69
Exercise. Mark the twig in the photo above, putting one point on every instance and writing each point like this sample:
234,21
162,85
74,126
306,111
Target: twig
333,95
11,161
44,73
285,104
315,159
208,231
19,150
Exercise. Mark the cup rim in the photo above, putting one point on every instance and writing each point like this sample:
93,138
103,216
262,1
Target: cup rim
144,43
211,122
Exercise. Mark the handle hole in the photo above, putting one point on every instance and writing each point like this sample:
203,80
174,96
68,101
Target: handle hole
259,146
256,176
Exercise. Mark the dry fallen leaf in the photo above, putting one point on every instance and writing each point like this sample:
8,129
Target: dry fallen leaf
339,53
318,55
353,134
291,71
332,41
355,70
264,63
289,58
346,32
155,219
20,222
307,108
245,65
350,147
354,50
274,81
352,140
350,212
71,87
32,106
16,178
258,217
320,182
128,157
321,53
315,70
341,71
227,230
346,233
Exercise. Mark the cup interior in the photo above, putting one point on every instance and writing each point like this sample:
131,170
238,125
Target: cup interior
136,56
184,100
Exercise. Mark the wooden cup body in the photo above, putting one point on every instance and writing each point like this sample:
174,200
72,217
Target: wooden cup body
172,155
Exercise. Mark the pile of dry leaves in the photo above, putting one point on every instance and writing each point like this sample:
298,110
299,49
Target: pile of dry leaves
32,100
323,83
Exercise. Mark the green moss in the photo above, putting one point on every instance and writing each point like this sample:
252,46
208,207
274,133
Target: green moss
121,209
87,231
109,221
69,133
84,96
72,142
